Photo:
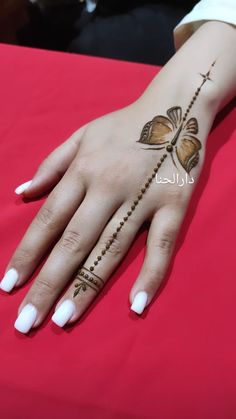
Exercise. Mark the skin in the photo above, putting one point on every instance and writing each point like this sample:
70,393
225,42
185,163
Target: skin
95,175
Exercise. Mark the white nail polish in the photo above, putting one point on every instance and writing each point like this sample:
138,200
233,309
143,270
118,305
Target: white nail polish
64,313
9,280
139,302
22,187
26,318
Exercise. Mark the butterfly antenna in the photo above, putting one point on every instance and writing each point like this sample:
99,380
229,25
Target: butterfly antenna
152,148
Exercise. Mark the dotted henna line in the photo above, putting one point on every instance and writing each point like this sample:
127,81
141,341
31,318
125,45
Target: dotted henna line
87,280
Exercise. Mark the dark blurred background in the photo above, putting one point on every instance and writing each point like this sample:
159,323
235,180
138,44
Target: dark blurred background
140,31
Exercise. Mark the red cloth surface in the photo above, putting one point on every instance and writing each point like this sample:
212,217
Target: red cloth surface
177,360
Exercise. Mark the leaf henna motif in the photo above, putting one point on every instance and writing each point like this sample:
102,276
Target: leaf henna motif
82,286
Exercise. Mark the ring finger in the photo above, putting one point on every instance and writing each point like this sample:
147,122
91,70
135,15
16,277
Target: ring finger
108,252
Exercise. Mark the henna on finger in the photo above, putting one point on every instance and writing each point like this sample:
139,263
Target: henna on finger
87,279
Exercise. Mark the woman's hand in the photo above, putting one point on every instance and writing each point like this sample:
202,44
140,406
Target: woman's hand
104,181
112,183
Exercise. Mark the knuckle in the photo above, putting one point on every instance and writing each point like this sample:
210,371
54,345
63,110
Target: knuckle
175,195
115,178
165,243
70,242
115,248
43,286
152,284
21,257
154,276
81,166
45,218
118,174
49,164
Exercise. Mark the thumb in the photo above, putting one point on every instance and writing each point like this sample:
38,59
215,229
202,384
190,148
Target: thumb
52,168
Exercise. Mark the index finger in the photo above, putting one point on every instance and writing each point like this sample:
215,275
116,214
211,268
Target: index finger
49,222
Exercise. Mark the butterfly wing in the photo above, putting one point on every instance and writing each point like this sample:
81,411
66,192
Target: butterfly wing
156,131
187,151
175,115
191,126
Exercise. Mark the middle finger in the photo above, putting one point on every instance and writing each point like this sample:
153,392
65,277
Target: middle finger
101,262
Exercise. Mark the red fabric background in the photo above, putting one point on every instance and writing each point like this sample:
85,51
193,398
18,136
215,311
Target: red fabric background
178,360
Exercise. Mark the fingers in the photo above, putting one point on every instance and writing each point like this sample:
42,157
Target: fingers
77,240
108,252
49,222
160,243
52,168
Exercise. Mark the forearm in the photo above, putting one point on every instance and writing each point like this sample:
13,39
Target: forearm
213,41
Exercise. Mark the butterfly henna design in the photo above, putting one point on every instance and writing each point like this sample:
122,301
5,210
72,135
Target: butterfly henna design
172,134
177,136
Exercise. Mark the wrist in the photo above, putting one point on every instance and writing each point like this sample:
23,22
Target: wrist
213,41
177,81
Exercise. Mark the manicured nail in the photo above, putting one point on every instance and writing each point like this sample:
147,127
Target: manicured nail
22,187
64,313
26,318
9,280
139,302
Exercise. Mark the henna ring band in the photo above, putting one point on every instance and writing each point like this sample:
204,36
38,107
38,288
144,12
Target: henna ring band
86,280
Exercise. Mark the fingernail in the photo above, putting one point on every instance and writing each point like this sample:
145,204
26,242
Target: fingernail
22,187
139,302
9,280
26,318
64,313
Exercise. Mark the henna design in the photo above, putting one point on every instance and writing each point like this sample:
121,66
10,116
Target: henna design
175,134
86,281
177,137
84,284
167,131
